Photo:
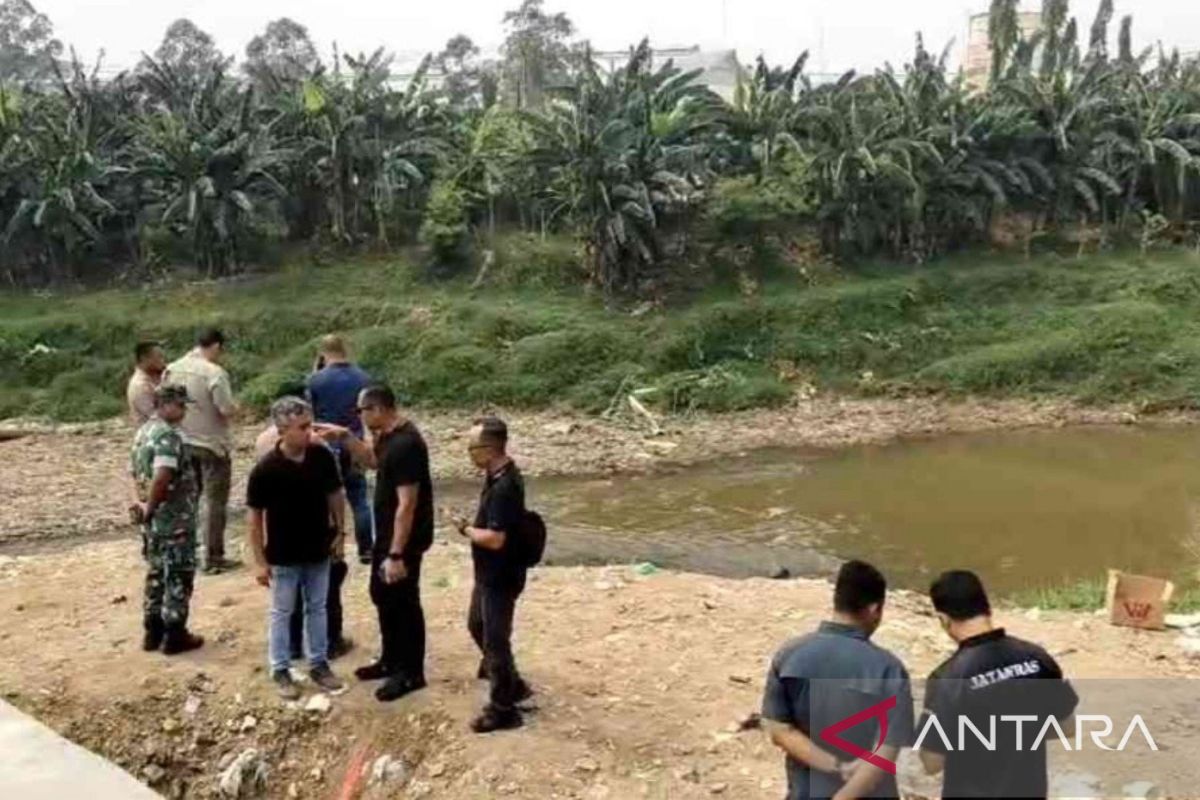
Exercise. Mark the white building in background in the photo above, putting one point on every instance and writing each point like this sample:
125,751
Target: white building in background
719,69
978,63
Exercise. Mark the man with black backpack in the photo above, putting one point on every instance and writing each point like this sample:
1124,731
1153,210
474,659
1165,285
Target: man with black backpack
506,540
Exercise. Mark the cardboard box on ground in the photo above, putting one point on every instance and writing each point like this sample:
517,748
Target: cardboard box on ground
1138,601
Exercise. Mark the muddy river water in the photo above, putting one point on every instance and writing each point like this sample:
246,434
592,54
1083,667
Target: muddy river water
1024,508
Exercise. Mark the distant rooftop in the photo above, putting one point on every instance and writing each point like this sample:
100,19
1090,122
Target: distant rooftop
719,69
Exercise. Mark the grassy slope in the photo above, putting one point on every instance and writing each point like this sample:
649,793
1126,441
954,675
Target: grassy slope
1090,595
1099,329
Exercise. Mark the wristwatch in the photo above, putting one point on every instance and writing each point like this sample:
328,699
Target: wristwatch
395,557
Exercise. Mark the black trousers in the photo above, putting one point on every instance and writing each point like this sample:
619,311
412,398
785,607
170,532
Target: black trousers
401,618
333,609
491,623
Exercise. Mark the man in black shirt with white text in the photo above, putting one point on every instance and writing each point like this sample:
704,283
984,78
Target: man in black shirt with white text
403,509
499,572
997,682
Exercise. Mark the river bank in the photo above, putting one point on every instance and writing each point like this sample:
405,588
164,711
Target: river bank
643,680
68,482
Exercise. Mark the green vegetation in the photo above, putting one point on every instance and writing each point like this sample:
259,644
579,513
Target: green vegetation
1089,596
188,161
1099,329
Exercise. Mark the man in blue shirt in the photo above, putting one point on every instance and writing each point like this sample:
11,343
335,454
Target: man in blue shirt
333,391
839,706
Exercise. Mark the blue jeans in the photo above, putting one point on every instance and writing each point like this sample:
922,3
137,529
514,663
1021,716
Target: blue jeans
356,495
286,581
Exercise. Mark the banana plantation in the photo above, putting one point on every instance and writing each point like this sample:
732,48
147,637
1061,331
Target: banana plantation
195,159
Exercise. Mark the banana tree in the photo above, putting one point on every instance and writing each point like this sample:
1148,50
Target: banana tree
762,113
210,174
623,152
864,164
66,170
1152,139
493,164
366,144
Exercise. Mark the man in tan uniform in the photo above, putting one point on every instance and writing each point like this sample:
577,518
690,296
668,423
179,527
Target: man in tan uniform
209,437
147,374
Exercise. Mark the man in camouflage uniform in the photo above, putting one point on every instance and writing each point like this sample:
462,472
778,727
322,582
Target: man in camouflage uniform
165,483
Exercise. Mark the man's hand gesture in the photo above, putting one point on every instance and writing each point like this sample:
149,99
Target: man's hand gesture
329,432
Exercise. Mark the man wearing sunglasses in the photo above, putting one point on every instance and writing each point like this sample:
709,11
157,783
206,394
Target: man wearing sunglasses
403,508
499,573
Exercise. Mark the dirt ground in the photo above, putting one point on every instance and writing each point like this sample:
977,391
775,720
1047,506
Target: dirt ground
642,681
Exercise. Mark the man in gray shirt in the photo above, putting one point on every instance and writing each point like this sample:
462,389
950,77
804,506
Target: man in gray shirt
839,706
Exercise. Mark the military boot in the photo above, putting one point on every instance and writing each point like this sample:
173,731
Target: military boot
179,639
153,637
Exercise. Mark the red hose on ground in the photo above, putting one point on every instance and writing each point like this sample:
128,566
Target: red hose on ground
352,781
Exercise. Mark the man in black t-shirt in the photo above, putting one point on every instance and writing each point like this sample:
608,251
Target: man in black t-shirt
499,572
403,509
992,677
294,496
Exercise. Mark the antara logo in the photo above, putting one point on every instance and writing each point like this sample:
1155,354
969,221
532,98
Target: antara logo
988,739
830,734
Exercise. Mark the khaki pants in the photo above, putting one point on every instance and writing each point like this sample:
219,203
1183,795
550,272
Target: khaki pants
213,475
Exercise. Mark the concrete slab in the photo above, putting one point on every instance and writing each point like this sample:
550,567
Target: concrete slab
38,764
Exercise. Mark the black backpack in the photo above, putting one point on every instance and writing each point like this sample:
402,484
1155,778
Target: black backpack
532,539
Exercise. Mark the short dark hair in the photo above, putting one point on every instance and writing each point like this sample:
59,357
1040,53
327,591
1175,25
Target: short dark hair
493,431
144,348
378,394
959,594
858,586
207,337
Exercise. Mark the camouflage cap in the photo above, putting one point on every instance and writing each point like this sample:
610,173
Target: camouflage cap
171,393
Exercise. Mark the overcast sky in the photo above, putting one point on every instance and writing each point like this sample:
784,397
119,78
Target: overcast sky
842,34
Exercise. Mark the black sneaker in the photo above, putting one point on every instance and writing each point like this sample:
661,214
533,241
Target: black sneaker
524,691
288,688
323,677
376,671
364,558
398,686
493,719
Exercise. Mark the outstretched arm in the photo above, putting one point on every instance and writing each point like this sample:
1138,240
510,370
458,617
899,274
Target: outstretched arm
362,452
